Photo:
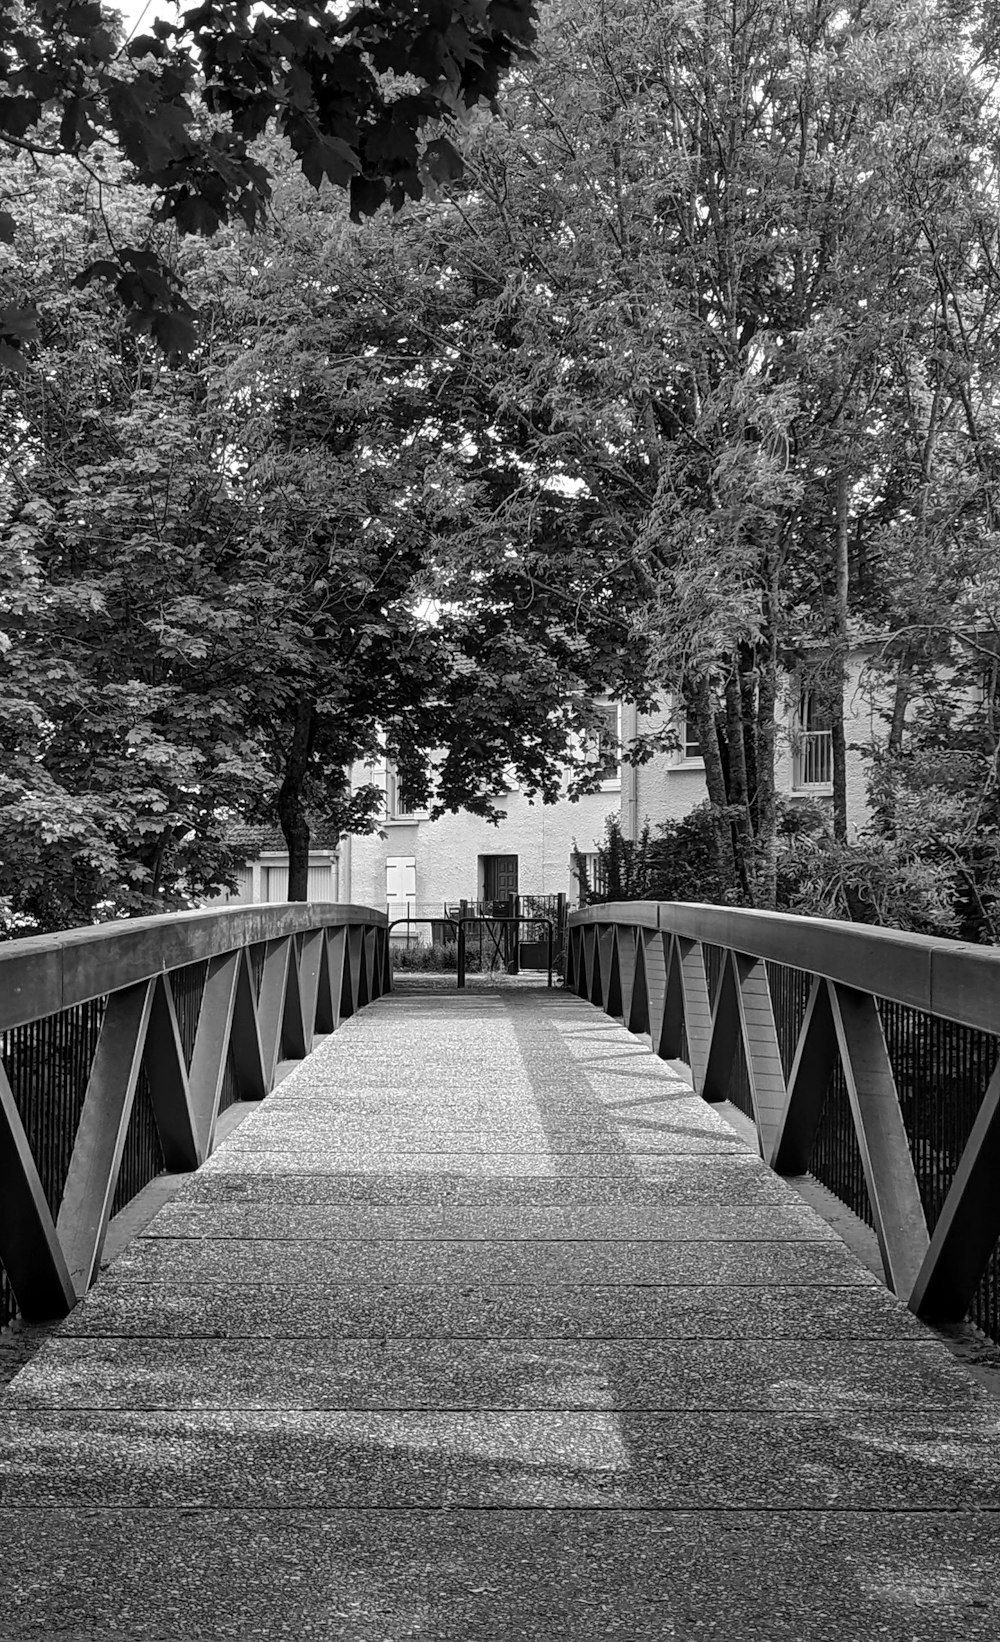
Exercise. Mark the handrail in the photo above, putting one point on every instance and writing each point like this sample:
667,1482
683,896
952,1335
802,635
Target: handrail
43,973
952,978
155,1022
432,918
801,1008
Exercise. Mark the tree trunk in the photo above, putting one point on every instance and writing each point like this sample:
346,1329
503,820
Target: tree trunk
900,702
748,692
715,780
738,787
835,694
767,813
291,800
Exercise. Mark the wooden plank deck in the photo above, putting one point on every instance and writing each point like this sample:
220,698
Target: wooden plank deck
482,1326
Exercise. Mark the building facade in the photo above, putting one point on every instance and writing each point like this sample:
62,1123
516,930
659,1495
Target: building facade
416,867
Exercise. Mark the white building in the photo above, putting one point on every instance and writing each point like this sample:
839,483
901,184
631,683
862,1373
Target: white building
418,867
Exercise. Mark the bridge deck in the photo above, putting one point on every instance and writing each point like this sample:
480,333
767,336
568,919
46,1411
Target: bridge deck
483,1327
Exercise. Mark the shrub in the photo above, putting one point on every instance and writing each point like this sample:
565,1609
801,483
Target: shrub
431,957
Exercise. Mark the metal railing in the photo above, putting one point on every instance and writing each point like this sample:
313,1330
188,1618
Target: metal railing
867,1057
491,925
120,1045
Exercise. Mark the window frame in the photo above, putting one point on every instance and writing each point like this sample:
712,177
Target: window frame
611,782
810,746
683,727
394,816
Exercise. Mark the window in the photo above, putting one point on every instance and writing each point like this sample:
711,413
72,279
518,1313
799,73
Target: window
690,745
596,881
812,745
688,749
607,746
395,809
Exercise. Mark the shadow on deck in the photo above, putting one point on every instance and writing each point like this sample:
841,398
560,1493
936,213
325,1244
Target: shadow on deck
483,1324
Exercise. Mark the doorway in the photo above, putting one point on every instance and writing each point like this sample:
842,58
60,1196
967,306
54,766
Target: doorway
499,877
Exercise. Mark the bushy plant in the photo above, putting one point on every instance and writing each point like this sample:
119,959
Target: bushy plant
431,957
869,880
678,864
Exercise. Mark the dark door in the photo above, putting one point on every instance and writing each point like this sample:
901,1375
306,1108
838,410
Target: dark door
499,877
499,901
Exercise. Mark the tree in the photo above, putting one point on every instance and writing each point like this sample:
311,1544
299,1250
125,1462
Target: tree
228,579
707,248
382,636
183,105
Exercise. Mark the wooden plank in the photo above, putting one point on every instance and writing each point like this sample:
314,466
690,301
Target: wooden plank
271,1003
167,1076
211,1043
763,1056
625,939
968,1227
655,948
638,1015
295,1043
253,1081
310,964
611,992
383,963
589,963
900,1225
669,1043
30,1251
85,1210
367,971
697,1009
331,981
351,993
725,1035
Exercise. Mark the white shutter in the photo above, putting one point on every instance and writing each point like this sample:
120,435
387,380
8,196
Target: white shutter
275,885
400,884
242,895
321,882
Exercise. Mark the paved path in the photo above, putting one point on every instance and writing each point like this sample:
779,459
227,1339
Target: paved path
483,1327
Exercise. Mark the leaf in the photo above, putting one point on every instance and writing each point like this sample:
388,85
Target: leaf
442,161
367,194
11,359
194,215
175,332
153,131
19,114
20,323
77,129
329,157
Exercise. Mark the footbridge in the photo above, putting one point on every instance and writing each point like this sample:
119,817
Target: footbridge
358,1313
